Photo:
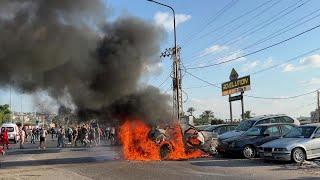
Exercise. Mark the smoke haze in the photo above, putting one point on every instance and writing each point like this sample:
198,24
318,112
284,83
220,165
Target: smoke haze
69,49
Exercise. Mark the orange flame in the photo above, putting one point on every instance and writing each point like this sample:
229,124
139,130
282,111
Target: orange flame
134,135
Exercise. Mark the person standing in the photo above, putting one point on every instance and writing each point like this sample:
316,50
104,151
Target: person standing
52,133
33,136
107,134
43,135
69,135
75,134
113,135
4,137
61,136
22,137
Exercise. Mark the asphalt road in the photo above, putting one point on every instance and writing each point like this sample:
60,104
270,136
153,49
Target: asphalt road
105,162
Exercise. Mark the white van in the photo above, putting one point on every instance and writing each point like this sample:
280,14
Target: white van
13,131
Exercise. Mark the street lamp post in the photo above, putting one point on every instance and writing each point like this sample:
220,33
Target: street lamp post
177,92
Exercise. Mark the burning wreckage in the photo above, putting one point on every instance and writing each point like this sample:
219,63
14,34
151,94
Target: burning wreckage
176,142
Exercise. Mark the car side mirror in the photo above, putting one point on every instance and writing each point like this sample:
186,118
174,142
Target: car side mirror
265,135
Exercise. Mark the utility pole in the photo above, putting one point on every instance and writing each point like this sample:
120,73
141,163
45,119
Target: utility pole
318,102
177,78
10,105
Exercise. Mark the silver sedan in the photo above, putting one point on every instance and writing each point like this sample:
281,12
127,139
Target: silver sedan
299,144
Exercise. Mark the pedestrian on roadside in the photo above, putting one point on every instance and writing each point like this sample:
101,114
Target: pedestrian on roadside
61,136
69,135
75,134
52,133
85,135
107,134
25,132
113,135
4,137
37,133
22,137
43,135
92,136
33,136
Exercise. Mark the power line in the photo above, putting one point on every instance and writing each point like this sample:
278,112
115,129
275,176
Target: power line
257,51
255,97
282,30
244,23
235,19
213,19
271,67
197,87
262,25
272,20
164,81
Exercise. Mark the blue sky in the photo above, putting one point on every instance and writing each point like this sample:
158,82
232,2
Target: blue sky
207,45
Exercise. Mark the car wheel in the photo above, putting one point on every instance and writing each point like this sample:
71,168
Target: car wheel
15,141
249,152
298,155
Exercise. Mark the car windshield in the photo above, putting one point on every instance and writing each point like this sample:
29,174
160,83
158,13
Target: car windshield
210,128
301,132
245,125
254,131
201,128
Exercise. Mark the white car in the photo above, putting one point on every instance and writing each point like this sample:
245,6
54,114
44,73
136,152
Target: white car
13,131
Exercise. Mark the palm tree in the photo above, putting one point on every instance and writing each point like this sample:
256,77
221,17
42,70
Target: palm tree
247,115
191,110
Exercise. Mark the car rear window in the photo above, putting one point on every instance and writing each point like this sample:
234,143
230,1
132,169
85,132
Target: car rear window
287,119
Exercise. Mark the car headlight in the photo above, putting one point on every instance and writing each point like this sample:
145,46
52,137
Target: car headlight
280,149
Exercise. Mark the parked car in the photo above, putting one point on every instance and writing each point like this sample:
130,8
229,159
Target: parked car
211,134
216,130
13,131
299,144
202,127
265,119
247,143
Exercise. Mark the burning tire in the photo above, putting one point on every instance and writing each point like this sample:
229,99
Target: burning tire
165,150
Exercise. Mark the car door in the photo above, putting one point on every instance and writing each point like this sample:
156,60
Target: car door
273,132
285,128
314,144
221,130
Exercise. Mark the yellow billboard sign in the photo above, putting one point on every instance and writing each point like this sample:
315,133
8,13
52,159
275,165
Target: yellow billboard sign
235,86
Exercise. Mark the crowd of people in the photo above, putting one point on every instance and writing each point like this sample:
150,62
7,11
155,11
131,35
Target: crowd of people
84,135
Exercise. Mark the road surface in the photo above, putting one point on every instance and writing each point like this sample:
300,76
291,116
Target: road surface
105,162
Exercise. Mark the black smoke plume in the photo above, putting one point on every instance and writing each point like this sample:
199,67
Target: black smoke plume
69,49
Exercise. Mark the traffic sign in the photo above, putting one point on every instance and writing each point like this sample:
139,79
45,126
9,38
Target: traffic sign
235,98
233,75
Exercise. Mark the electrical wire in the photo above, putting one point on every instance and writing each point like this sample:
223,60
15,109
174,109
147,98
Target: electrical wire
257,51
271,67
281,31
235,19
212,19
256,97
260,26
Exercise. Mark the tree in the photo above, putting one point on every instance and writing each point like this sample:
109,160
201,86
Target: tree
5,113
205,118
247,115
191,110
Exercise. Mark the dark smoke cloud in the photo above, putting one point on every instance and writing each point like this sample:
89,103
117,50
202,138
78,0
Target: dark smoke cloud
67,49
